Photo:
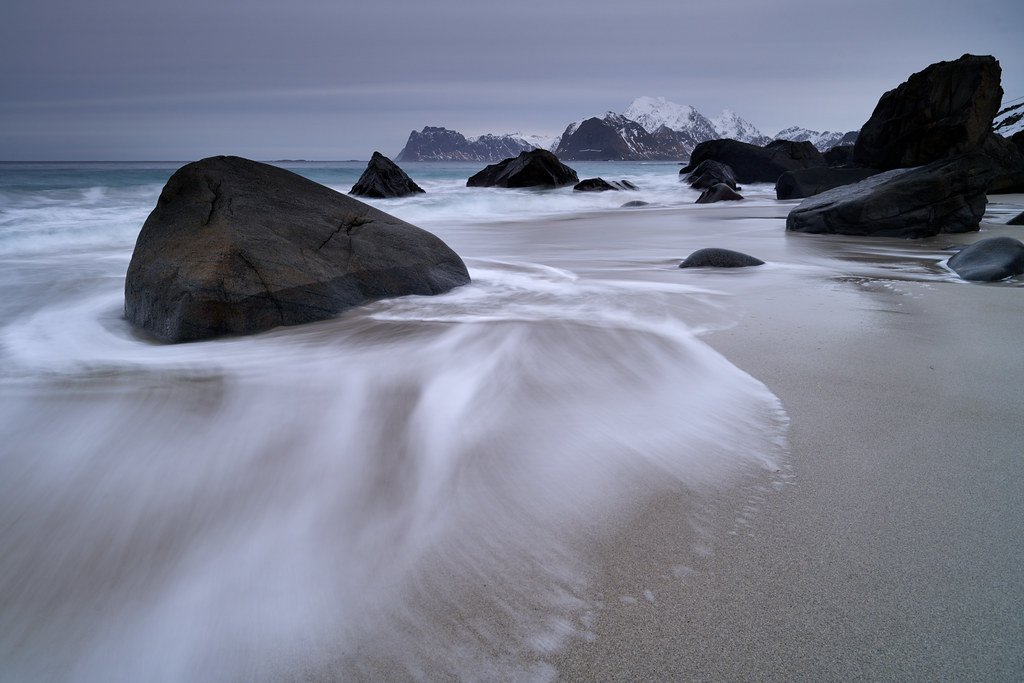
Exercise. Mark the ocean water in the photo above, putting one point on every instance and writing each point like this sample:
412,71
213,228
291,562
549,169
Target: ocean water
409,489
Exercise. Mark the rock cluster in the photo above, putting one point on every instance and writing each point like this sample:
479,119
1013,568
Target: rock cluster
754,164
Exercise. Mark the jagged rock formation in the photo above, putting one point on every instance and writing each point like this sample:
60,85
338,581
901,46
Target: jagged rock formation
383,178
536,168
942,111
235,246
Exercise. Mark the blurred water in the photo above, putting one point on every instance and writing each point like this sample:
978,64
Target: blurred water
407,489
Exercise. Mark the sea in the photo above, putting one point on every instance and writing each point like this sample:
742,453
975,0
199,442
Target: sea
412,488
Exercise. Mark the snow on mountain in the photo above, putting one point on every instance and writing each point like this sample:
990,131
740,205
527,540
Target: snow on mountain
654,112
730,125
823,141
1009,120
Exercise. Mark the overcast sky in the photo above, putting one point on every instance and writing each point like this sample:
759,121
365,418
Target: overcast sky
135,79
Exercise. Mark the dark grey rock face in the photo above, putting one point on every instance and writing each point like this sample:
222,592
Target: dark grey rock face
1016,220
537,168
718,193
708,173
383,178
235,246
753,164
944,197
1007,161
942,111
840,155
989,260
720,258
602,185
808,182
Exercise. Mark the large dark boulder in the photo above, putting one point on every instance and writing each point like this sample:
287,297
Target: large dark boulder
718,193
753,164
536,168
808,182
946,196
840,155
235,246
989,260
602,185
719,258
943,111
383,178
1007,160
708,173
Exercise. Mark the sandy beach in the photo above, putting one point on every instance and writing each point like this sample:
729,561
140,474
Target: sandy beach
892,549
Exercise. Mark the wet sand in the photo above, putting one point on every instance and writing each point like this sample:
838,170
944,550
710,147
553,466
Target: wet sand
892,551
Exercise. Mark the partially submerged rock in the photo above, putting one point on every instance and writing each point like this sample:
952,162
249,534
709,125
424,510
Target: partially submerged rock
944,197
383,178
989,260
602,185
235,246
753,164
708,173
719,258
943,111
1016,220
536,168
807,182
718,193
634,204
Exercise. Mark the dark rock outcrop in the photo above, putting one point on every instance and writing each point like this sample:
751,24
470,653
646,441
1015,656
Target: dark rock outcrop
602,185
719,258
946,196
708,173
383,178
1016,220
718,193
634,204
1007,160
613,138
989,260
753,164
808,182
235,246
942,111
537,168
840,155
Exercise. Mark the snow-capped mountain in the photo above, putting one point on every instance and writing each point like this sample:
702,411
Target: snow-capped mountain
730,125
824,141
1009,120
654,112
443,144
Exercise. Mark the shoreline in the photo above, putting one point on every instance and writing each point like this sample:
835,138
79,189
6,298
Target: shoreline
892,550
